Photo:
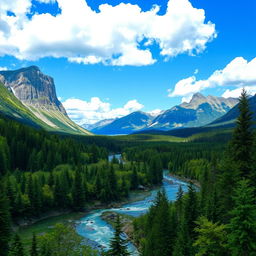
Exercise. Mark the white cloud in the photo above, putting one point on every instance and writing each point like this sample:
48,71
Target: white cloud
237,74
3,68
251,90
89,112
112,36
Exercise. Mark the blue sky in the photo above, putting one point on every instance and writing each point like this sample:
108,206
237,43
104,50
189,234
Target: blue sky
141,78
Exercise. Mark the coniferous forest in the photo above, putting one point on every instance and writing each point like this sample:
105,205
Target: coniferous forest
42,172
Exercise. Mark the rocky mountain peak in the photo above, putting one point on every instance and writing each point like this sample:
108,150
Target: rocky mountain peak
32,88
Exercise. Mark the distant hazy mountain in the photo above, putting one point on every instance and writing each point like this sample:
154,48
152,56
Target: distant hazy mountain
125,125
200,111
31,95
98,125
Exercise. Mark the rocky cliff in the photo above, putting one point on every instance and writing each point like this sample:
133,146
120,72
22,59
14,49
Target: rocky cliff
32,88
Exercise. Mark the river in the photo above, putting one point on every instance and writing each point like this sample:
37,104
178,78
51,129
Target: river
98,233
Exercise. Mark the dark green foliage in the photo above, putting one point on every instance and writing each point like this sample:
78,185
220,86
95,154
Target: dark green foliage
34,249
16,248
4,156
242,141
27,149
118,245
219,219
63,241
78,193
158,239
212,238
5,225
242,226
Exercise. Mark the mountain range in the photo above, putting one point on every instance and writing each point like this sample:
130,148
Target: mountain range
200,111
29,96
135,121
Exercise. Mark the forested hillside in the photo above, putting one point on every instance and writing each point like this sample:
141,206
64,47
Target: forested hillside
42,172
219,217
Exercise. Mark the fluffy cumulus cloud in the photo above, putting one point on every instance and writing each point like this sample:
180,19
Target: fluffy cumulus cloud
237,74
89,112
116,35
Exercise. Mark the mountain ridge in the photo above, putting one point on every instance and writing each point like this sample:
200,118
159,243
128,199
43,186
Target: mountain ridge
32,95
199,111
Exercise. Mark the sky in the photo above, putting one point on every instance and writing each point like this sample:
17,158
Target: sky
112,57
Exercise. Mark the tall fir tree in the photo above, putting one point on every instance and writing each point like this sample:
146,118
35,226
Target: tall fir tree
238,161
158,238
118,245
34,249
242,226
242,140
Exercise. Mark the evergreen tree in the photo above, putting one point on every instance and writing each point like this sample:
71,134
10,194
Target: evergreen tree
179,202
78,193
190,216
134,179
34,249
242,141
212,238
118,245
5,226
16,248
112,182
238,160
242,226
158,238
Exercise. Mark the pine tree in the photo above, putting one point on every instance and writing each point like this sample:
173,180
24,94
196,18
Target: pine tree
5,226
118,245
16,248
190,216
242,226
238,161
34,250
158,238
242,141
179,202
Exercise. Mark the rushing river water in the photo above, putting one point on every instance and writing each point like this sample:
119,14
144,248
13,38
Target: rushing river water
98,233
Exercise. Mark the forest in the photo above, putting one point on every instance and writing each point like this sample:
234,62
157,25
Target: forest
40,172
220,218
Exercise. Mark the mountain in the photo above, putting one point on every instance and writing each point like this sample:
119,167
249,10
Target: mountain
200,111
30,96
125,125
98,125
228,120
220,127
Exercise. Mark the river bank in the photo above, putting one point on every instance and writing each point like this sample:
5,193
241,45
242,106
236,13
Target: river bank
100,230
187,180
45,223
137,204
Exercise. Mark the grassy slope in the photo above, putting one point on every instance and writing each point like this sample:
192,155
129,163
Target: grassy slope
148,138
10,106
